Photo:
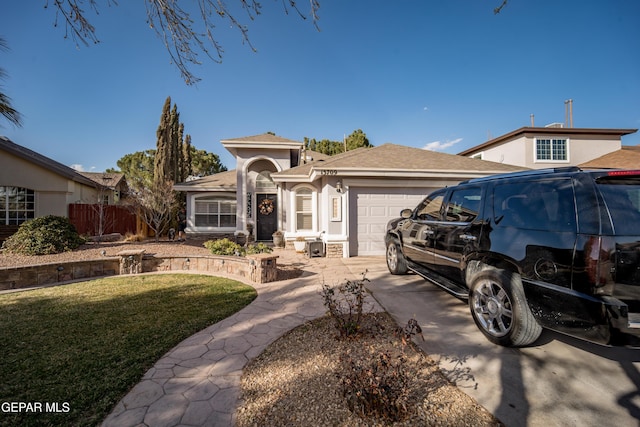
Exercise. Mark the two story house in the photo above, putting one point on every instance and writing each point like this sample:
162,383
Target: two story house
549,146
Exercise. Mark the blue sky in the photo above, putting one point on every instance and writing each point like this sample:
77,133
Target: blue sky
445,74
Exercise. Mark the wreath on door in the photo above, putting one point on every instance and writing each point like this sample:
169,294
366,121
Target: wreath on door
266,207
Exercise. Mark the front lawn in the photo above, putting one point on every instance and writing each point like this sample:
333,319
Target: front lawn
79,348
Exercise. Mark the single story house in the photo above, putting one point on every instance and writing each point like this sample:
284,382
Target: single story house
549,146
32,185
345,200
113,185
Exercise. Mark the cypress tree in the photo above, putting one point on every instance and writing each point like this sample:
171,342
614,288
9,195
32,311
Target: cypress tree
173,143
163,134
187,169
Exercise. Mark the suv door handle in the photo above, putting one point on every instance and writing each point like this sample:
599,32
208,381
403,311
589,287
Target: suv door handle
428,232
468,237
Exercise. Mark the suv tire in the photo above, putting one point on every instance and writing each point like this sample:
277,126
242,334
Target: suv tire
500,310
395,259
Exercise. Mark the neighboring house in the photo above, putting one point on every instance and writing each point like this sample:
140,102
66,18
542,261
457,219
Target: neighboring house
551,146
345,199
627,157
114,188
32,185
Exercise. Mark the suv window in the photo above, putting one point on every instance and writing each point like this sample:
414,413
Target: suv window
430,207
464,205
539,205
622,197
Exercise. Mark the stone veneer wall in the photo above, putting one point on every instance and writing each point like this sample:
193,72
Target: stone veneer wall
260,268
48,274
334,250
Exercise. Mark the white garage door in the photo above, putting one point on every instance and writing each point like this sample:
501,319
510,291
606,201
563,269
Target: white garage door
371,209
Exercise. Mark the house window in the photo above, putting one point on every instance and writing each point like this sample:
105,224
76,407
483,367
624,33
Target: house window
264,183
17,205
217,212
304,209
551,149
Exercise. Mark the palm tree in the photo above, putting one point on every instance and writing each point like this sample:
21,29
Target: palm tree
6,110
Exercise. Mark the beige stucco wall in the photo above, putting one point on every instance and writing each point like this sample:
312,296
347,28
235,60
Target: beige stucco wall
53,192
582,148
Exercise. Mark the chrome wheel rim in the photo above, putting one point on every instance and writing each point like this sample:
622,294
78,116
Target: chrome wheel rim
493,308
392,257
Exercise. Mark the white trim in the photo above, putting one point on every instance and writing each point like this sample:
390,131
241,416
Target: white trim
293,219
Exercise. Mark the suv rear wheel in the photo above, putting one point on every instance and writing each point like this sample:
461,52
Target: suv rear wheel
500,310
395,259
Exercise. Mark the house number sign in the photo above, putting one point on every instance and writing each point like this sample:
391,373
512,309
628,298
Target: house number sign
328,172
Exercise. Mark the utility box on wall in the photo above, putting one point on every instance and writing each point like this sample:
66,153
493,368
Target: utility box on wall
315,249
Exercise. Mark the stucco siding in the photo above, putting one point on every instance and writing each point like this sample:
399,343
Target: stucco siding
52,192
17,172
521,151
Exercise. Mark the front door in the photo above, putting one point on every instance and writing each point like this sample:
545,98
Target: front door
267,216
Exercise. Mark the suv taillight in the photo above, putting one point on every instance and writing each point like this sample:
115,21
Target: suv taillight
600,263
623,173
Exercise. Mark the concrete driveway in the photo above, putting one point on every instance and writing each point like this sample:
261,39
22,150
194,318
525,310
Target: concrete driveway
560,381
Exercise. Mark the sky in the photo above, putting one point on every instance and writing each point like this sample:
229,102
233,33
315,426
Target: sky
442,75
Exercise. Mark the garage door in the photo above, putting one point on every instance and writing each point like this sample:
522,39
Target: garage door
371,209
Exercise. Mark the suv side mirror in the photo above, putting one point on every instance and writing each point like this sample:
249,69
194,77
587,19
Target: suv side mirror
406,213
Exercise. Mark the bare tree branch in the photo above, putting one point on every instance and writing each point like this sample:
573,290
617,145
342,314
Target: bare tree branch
499,8
185,36
155,204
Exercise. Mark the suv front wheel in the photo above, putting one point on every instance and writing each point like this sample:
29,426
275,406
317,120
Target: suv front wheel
395,259
500,310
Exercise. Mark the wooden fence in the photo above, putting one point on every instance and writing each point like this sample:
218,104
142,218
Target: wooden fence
115,219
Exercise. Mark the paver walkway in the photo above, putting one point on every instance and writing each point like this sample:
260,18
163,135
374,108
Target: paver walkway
197,383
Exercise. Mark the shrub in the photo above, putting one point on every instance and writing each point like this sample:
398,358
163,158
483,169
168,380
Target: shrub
412,328
224,247
374,386
346,306
260,248
42,236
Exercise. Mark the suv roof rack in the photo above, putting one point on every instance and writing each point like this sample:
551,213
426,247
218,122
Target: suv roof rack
533,172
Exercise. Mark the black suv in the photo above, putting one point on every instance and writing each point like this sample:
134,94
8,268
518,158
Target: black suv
553,248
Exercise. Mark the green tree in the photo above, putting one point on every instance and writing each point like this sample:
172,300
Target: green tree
357,139
6,110
184,36
187,159
204,163
161,166
137,167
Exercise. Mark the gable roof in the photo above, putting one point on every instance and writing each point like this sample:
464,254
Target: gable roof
263,138
546,131
38,159
108,179
628,157
395,160
262,141
222,181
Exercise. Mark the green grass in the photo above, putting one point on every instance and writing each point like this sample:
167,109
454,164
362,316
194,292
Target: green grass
87,344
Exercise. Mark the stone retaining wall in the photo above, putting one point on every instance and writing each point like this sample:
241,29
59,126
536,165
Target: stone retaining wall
260,268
